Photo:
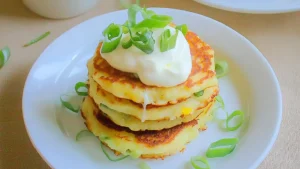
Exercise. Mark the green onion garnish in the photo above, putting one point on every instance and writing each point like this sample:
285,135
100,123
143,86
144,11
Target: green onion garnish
147,13
81,85
83,133
143,40
231,116
132,11
221,147
4,56
199,162
127,44
144,165
155,21
183,28
68,105
37,39
221,68
168,41
198,94
107,155
221,101
113,35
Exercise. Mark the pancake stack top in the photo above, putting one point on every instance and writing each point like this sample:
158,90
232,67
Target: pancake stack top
145,121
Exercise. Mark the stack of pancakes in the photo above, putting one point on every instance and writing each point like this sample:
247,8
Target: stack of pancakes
134,119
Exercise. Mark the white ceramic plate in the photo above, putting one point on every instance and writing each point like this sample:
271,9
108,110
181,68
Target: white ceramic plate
250,86
254,6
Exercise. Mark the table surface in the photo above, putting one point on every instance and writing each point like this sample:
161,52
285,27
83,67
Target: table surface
277,36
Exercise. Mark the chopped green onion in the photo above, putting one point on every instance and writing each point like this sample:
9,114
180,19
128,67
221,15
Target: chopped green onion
143,40
198,94
221,101
37,39
113,35
132,11
4,56
125,27
155,21
81,85
147,13
202,160
232,115
221,147
221,68
127,44
68,105
107,155
83,133
168,41
183,28
144,165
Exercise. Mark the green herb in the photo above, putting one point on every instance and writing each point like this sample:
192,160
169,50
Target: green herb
231,116
37,39
132,12
155,21
144,165
168,41
221,68
220,101
221,147
113,35
81,85
83,133
127,44
200,93
4,56
68,105
199,162
183,28
107,155
143,40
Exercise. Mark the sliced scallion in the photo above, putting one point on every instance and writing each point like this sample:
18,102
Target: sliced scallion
127,44
80,85
37,39
168,41
221,68
220,101
68,105
83,133
113,35
132,12
107,155
155,21
231,116
143,40
199,162
144,165
221,147
183,28
200,93
4,56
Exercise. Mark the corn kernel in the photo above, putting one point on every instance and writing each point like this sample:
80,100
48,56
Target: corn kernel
186,110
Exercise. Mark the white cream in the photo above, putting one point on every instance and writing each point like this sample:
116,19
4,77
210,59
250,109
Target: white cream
162,69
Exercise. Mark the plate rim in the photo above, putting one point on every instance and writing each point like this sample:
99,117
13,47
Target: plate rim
249,11
253,47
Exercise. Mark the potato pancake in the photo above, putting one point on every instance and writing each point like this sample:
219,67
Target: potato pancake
152,112
127,86
144,144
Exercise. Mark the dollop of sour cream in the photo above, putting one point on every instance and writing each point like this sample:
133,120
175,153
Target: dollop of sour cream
162,69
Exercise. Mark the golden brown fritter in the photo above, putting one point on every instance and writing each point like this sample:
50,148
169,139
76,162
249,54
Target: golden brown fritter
126,85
